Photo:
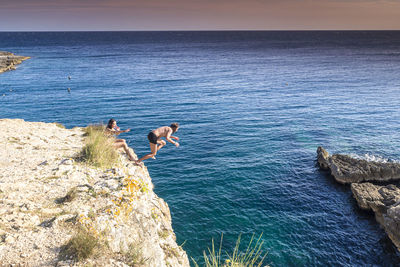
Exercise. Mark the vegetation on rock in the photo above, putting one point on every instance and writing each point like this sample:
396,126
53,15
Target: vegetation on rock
80,246
99,150
252,256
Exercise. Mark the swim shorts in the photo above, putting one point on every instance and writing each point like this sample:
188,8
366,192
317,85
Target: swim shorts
152,138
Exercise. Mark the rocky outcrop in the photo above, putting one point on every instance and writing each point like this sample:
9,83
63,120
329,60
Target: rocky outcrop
8,61
346,169
384,201
48,199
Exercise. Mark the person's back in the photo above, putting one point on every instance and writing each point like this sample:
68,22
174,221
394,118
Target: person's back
162,131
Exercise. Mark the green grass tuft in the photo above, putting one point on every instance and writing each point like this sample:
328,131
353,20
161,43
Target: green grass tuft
80,246
252,256
99,150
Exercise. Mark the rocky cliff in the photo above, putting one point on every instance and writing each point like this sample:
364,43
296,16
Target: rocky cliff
383,200
49,202
8,61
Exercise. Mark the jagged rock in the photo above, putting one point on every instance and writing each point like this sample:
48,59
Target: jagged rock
346,169
8,61
322,157
384,201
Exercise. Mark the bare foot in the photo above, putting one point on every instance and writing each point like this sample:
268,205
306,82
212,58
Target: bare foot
153,157
139,163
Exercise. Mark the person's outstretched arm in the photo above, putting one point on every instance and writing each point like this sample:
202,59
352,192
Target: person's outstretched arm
169,136
120,132
175,137
117,132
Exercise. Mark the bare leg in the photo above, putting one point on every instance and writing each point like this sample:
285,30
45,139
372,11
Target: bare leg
154,150
121,143
160,144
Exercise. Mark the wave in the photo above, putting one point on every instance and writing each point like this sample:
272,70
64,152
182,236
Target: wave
374,158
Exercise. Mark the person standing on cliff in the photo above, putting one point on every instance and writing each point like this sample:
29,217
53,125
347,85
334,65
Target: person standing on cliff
155,140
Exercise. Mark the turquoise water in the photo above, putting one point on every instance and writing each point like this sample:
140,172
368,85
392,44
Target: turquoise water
253,108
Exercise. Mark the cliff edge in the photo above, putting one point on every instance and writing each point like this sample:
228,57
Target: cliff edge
8,61
56,211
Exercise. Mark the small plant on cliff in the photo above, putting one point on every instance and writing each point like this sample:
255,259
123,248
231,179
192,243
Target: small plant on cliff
134,255
252,256
80,246
59,125
94,127
99,150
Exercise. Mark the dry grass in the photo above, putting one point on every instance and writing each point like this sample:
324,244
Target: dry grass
99,150
59,125
94,127
80,246
163,234
134,256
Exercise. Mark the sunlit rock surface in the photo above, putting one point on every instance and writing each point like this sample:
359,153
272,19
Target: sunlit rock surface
346,169
46,195
9,61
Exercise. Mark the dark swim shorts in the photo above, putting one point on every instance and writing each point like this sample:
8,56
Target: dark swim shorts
152,138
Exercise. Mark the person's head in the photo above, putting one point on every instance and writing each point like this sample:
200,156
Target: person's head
174,126
111,123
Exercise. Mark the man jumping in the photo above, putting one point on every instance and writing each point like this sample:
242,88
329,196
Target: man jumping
155,140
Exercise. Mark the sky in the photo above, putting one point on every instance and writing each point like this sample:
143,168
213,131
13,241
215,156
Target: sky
98,15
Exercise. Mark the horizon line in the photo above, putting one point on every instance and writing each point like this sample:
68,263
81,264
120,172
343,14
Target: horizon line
205,30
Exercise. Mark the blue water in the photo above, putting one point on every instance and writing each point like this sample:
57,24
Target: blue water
253,108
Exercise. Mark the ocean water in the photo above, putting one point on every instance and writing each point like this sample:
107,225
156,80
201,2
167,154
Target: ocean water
253,108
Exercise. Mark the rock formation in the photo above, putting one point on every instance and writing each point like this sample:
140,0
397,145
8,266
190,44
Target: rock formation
346,169
49,200
8,61
383,200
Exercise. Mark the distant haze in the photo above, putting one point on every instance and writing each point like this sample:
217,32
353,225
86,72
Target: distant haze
65,15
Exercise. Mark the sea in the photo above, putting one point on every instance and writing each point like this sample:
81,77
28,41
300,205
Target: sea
253,108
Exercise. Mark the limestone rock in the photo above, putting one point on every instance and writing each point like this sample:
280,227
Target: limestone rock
322,157
346,169
385,202
47,196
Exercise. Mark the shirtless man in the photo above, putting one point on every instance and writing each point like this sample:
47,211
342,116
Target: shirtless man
155,140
